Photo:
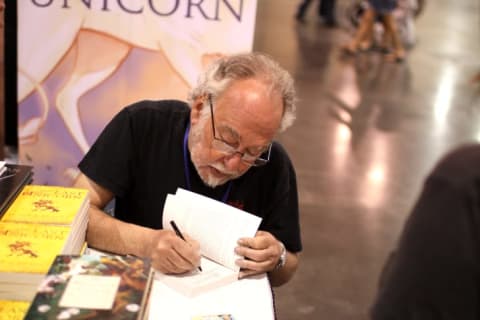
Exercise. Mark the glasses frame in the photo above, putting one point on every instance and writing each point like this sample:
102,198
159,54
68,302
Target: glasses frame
258,162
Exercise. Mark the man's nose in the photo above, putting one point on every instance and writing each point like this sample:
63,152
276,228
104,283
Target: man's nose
233,161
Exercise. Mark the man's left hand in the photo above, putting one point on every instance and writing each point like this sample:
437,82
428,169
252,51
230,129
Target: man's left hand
261,254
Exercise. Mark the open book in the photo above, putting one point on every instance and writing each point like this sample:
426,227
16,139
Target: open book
217,227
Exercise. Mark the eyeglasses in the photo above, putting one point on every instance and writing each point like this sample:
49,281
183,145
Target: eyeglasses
253,159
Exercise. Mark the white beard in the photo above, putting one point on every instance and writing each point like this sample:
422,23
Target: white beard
195,140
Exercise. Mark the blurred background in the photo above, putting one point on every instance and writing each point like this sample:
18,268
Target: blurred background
368,132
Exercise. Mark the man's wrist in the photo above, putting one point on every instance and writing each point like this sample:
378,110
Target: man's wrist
282,259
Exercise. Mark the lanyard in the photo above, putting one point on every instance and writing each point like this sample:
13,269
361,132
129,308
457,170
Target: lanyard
187,166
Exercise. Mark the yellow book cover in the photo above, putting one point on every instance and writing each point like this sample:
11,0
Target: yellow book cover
30,248
46,204
13,310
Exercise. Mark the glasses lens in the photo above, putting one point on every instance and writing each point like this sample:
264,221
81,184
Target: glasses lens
263,158
229,150
222,146
259,162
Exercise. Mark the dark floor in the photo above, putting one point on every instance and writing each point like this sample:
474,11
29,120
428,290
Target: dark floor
367,133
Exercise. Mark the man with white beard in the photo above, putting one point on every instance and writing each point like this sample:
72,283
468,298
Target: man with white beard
219,145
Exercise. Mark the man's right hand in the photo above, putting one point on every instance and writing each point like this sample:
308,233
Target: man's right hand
168,252
171,254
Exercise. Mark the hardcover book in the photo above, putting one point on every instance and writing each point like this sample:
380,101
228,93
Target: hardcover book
217,227
93,287
12,179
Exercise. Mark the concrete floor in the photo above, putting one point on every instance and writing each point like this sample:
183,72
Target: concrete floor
367,133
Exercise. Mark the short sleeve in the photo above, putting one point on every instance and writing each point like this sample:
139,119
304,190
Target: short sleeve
108,162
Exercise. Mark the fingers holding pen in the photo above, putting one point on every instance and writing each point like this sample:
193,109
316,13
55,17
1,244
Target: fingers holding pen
171,254
187,253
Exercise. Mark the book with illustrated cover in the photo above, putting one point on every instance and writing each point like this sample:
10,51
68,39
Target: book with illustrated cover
41,222
48,205
13,310
217,227
26,253
30,247
13,178
47,208
93,287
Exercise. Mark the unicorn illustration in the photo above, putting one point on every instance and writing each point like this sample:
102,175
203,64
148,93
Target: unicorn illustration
82,45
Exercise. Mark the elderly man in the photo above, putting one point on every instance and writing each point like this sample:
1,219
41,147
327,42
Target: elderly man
219,145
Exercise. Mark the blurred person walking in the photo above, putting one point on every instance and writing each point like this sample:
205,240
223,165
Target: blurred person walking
382,9
326,11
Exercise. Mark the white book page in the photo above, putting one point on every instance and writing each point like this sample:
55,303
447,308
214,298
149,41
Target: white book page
90,292
215,225
191,284
245,299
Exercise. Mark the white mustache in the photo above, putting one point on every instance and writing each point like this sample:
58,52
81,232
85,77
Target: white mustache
220,167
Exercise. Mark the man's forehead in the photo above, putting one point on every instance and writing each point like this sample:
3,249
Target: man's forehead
226,129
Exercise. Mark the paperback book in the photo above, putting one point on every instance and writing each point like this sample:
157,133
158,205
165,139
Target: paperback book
53,205
13,310
41,222
93,287
48,205
26,253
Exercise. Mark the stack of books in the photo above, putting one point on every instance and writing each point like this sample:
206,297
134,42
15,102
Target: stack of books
40,223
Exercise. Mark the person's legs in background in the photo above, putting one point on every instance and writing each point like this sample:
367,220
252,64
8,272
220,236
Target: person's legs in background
302,9
364,31
391,32
326,10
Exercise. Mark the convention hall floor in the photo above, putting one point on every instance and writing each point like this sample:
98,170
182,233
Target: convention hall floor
367,133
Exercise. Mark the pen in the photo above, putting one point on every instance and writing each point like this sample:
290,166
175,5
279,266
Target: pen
180,235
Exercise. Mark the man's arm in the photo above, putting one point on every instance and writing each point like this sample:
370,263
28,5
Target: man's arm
283,274
169,253
262,254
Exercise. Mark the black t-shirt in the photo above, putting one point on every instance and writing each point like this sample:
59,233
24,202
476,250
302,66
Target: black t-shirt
139,158
434,271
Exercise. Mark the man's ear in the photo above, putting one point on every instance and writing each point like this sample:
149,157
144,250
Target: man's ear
197,106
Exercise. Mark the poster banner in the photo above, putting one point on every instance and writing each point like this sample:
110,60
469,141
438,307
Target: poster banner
82,61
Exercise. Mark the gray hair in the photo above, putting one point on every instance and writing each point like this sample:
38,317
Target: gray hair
256,65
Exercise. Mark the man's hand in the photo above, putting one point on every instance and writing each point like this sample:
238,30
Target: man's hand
171,254
261,253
